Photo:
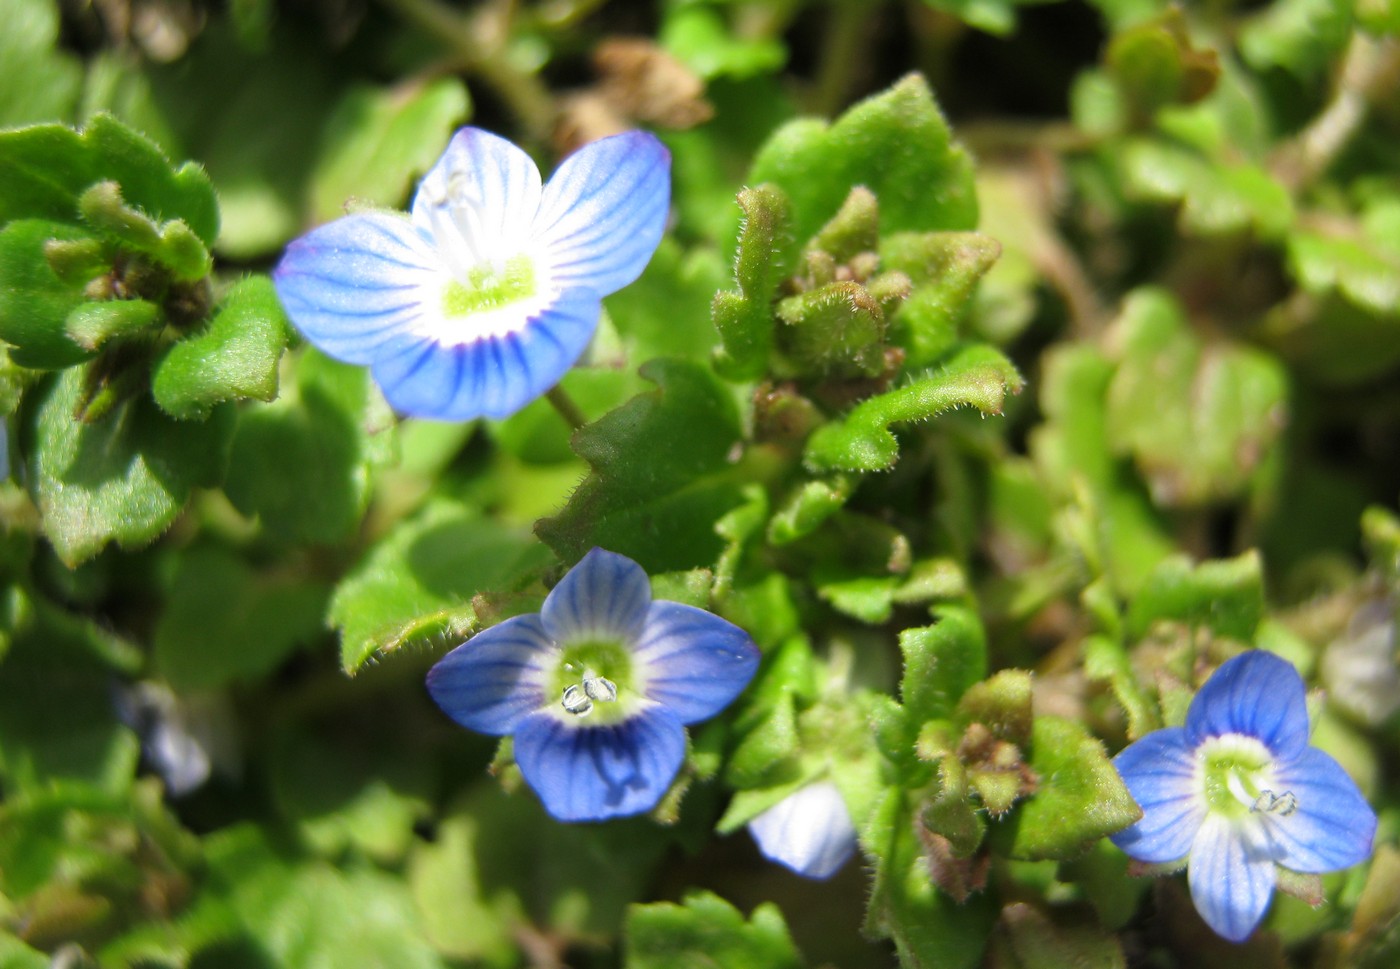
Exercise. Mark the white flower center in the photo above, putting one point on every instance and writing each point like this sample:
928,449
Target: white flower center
580,697
597,680
1236,777
486,291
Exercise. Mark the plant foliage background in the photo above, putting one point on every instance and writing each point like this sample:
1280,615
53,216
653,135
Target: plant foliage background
1007,366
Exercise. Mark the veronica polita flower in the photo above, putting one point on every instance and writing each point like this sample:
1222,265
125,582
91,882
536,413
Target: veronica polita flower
488,292
809,831
597,687
1237,791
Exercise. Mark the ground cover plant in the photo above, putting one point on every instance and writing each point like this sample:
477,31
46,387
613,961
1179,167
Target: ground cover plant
755,483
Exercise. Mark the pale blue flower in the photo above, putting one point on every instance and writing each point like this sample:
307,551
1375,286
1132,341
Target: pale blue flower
597,687
487,293
1239,791
809,831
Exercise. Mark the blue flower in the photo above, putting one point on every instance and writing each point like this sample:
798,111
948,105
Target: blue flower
1239,790
809,831
481,299
597,687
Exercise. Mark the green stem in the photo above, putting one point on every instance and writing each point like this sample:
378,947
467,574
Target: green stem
564,404
1370,74
523,92
842,47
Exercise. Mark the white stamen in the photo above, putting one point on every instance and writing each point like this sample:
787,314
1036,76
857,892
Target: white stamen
598,687
1270,803
576,702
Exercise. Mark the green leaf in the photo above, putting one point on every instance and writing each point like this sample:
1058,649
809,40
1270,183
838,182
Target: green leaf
1303,37
1198,419
1001,703
538,435
14,954
121,478
976,376
1357,263
378,140
1381,17
261,145
945,268
744,319
1118,531
460,920
149,182
808,506
35,301
838,328
1381,530
666,313
1106,661
255,895
767,754
1216,197
1155,64
120,85
224,621
235,358
172,244
93,323
699,37
342,790
302,463
44,80
996,17
854,229
1027,938
896,144
418,583
653,494
1080,797
941,662
705,930
1225,596
1334,340
57,719
930,930
78,860
44,169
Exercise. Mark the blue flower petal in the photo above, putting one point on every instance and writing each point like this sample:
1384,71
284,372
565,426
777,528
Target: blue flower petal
604,596
1257,694
694,662
494,376
1231,875
591,773
604,211
1160,773
493,185
496,678
1333,827
809,831
356,287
